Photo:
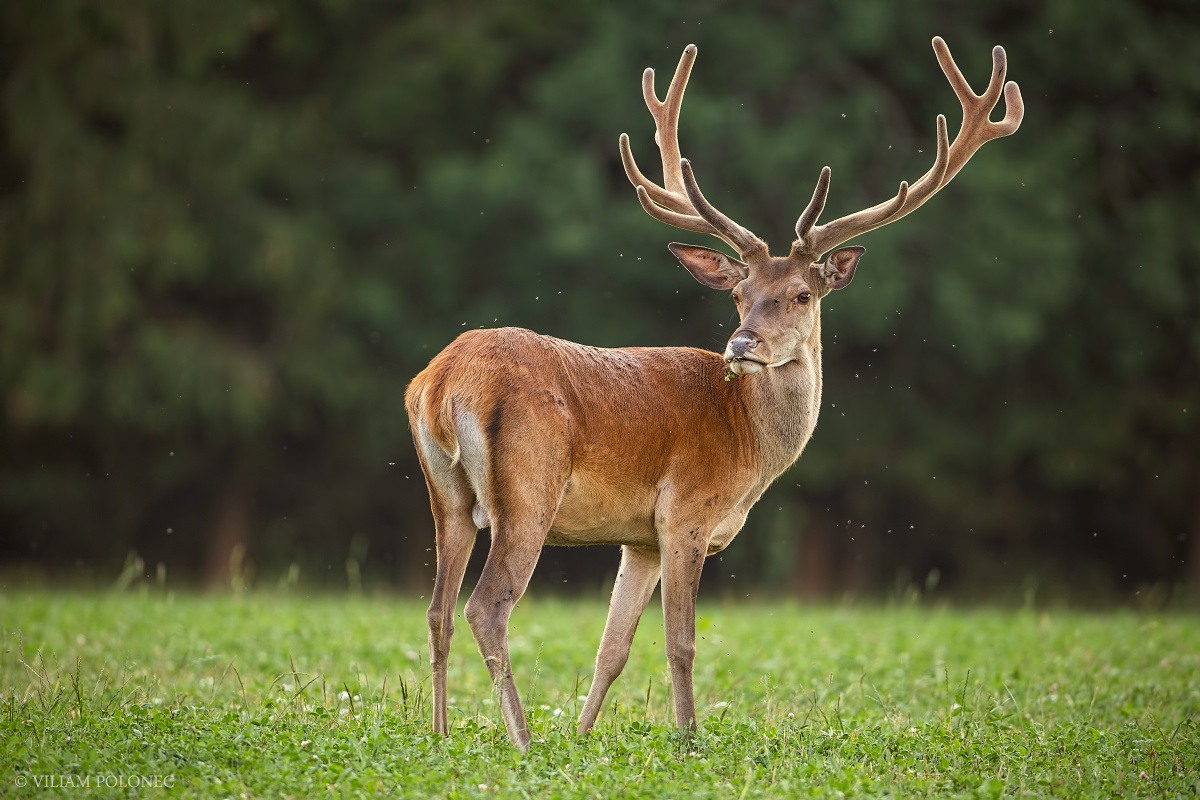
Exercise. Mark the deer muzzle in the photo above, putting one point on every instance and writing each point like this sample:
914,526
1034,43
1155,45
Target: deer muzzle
743,353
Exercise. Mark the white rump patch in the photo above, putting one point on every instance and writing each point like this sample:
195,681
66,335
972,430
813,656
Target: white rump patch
473,456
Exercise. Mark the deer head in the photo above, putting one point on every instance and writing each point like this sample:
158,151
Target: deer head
778,298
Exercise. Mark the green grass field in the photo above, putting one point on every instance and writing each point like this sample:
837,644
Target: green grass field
154,694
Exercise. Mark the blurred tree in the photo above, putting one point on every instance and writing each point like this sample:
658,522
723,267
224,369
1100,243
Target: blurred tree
202,231
230,233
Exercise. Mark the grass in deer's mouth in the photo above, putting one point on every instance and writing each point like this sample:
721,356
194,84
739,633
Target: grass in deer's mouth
267,695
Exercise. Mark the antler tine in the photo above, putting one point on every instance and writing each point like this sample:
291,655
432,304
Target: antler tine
742,239
907,198
672,202
666,136
976,130
1014,111
654,200
667,118
977,127
655,192
815,206
688,222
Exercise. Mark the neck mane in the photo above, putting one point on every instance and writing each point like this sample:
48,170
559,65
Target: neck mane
782,404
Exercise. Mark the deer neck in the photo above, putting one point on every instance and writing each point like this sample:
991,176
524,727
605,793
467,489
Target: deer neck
782,404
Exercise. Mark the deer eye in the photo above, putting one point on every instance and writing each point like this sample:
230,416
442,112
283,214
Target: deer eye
737,298
803,297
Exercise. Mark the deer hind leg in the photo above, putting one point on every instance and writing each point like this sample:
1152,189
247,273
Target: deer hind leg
513,555
528,467
455,539
636,579
451,499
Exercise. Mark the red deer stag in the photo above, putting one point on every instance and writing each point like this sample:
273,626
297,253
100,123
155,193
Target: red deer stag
650,448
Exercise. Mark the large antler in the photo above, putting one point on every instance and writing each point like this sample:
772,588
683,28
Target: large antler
680,203
977,128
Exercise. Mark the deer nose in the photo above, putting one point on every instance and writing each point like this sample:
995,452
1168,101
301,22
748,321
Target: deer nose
742,344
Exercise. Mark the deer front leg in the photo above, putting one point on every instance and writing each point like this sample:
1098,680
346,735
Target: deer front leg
682,562
636,579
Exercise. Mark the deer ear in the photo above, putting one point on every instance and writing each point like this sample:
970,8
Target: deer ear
838,269
711,267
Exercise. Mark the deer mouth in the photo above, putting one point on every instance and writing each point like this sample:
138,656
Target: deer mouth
745,365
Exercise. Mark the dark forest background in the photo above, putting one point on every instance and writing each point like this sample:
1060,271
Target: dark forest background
231,232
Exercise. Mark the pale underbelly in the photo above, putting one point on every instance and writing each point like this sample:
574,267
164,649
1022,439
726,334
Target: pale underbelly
629,536
602,513
595,511
571,527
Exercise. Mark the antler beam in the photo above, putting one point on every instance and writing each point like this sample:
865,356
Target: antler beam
977,129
